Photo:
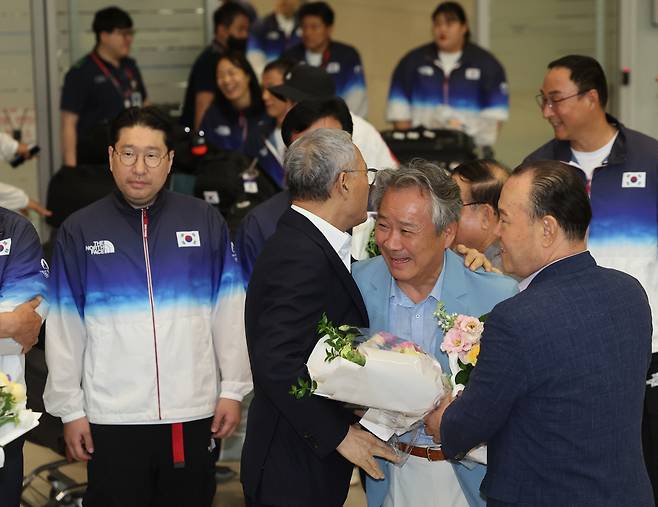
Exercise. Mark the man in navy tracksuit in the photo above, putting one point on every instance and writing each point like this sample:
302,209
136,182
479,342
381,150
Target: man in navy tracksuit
273,34
341,61
146,350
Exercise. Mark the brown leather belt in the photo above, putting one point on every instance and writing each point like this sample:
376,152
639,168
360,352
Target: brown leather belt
430,453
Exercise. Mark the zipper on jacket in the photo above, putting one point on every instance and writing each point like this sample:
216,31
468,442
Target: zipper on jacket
149,282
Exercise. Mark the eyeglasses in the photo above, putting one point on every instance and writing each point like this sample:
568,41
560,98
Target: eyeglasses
129,158
473,203
125,32
370,172
543,101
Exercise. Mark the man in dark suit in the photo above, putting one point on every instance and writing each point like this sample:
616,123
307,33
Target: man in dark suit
299,452
558,389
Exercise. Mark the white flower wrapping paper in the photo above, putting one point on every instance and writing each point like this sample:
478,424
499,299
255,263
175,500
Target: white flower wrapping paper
27,420
399,388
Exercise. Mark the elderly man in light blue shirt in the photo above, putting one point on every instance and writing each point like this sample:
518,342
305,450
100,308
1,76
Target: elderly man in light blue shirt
418,211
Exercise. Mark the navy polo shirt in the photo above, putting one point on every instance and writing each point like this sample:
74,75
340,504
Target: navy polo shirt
202,78
98,93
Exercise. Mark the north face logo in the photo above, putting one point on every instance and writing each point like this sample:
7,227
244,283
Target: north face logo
100,247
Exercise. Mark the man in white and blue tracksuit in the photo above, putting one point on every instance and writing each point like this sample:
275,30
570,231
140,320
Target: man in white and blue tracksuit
450,83
145,345
23,289
620,169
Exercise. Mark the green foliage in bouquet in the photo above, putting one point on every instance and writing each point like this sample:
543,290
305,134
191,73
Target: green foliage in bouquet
8,412
340,341
464,374
303,388
371,248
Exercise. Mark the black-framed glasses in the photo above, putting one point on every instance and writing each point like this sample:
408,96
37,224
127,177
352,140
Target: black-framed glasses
543,101
125,32
129,158
474,203
370,172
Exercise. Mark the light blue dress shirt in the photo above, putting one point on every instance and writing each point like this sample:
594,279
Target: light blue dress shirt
416,322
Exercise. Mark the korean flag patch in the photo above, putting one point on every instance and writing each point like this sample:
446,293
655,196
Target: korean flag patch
634,180
188,238
5,246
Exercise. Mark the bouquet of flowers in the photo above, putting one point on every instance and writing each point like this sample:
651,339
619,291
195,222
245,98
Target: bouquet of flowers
15,420
461,342
395,378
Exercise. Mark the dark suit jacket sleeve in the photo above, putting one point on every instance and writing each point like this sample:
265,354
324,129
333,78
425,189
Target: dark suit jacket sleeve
496,383
281,319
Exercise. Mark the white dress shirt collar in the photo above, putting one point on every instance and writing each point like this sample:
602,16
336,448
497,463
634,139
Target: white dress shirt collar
340,241
523,284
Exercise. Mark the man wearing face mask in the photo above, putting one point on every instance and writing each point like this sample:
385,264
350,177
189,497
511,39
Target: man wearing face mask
231,22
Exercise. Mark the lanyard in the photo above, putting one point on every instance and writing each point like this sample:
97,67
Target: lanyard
325,58
123,93
242,123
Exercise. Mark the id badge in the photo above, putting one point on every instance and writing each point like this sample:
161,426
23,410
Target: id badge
136,99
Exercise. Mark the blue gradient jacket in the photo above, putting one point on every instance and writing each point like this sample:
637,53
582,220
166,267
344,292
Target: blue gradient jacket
147,310
623,233
23,276
343,63
472,98
268,41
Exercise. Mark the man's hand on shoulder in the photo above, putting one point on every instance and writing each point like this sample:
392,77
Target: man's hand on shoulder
474,259
77,435
23,324
226,418
360,447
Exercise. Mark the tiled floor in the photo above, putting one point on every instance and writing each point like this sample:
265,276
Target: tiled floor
229,494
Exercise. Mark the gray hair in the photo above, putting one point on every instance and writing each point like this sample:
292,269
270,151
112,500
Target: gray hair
429,179
314,161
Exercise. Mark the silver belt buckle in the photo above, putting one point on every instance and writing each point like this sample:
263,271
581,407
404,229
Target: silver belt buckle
432,448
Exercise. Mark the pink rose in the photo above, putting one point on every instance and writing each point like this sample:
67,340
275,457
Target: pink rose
455,340
471,326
